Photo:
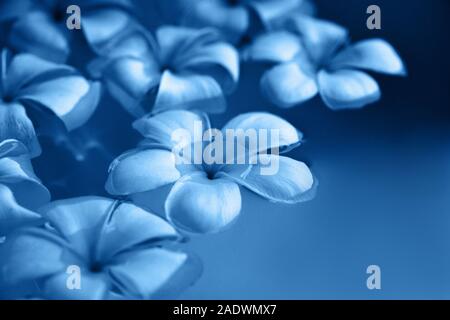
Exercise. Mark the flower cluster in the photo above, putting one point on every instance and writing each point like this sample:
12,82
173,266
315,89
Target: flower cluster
182,175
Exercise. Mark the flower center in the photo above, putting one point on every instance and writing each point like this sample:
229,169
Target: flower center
58,15
96,267
233,2
7,99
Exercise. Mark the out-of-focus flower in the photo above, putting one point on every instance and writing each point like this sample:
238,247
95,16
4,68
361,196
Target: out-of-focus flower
233,18
206,195
39,26
115,247
181,68
20,190
314,58
37,94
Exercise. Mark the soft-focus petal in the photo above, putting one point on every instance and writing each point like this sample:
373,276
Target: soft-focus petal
12,148
10,9
129,80
15,124
12,215
102,25
25,67
374,54
272,10
278,132
189,92
47,41
277,46
93,286
347,89
141,170
287,85
201,205
232,21
277,178
162,127
321,38
79,220
129,227
219,60
143,273
32,254
71,98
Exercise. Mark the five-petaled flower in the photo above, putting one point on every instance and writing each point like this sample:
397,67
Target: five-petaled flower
39,27
235,19
206,196
117,246
21,191
313,58
180,68
38,94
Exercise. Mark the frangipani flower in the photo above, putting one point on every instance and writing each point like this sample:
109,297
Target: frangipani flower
206,196
20,190
115,248
315,59
33,88
39,26
233,18
182,68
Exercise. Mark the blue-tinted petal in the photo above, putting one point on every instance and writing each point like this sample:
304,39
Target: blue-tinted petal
71,98
347,89
141,170
25,68
321,38
79,220
232,21
189,91
277,46
32,254
287,85
272,10
15,124
278,132
141,274
10,9
13,215
47,41
277,178
161,128
201,205
102,25
129,227
12,148
374,54
219,60
93,286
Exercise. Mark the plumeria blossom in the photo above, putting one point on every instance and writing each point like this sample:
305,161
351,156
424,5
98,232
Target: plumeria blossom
233,17
206,196
315,58
39,26
116,248
37,95
180,68
21,191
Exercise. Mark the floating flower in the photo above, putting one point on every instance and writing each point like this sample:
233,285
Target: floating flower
39,27
37,94
20,190
232,17
314,59
181,68
94,248
206,195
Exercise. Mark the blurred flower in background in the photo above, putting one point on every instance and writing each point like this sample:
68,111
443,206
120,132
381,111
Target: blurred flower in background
38,95
206,197
182,68
39,26
20,190
235,19
117,247
313,57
